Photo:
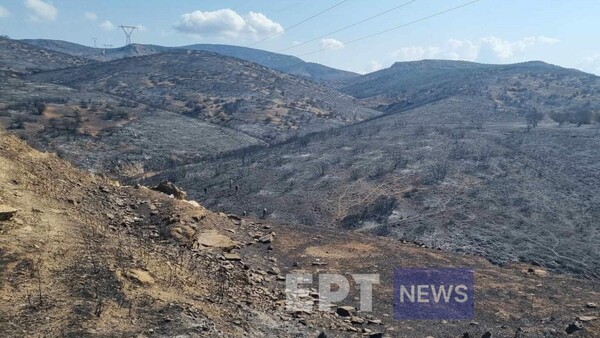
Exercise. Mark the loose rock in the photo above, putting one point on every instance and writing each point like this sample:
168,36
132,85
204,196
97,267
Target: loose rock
140,276
6,212
232,256
213,239
586,318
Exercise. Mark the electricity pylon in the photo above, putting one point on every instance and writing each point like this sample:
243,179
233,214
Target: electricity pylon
128,30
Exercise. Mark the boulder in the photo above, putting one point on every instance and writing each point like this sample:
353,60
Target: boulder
6,212
194,203
267,238
140,276
169,188
356,320
234,217
232,256
213,239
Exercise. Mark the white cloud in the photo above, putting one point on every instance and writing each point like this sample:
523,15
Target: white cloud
416,53
41,10
590,64
505,49
141,28
4,12
331,44
547,40
460,50
374,66
468,50
261,26
90,16
226,23
107,26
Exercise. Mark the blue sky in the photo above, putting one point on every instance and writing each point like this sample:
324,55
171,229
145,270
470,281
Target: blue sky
490,31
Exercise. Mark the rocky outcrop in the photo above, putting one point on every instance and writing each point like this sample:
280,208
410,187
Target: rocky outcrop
171,189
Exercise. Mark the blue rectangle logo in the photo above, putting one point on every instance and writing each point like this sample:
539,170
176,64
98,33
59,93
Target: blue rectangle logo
433,294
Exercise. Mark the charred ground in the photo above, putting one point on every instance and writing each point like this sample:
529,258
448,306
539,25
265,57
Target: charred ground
499,161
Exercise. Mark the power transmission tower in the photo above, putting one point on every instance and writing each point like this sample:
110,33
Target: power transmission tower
107,46
128,30
94,41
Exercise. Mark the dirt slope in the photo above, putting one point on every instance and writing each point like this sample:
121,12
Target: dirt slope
84,257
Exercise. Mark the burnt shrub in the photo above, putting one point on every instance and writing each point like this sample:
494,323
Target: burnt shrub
39,107
533,117
383,230
196,111
377,211
459,152
420,130
437,173
559,117
377,172
581,116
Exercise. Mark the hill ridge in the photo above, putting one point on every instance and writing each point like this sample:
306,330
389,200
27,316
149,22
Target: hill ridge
286,63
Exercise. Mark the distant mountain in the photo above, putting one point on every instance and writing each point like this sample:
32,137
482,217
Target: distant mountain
63,47
248,97
285,63
96,54
97,131
19,57
516,87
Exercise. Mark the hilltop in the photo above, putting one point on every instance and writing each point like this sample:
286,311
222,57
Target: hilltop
285,63
250,98
110,134
20,58
133,128
513,89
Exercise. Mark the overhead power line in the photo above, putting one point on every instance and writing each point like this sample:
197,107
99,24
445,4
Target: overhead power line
350,26
298,24
395,28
